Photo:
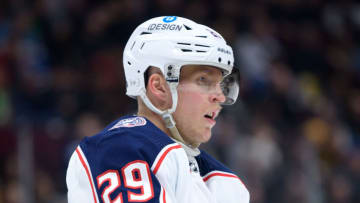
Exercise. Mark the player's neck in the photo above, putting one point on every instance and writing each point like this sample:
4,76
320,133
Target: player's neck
155,119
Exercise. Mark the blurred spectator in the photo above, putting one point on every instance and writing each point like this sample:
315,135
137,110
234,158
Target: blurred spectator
256,50
87,124
46,189
12,193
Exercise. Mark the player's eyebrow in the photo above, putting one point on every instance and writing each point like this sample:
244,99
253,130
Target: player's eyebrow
207,69
212,72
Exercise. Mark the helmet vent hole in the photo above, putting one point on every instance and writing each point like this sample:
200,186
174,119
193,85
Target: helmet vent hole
202,36
200,51
186,50
187,27
129,63
142,45
182,43
219,59
132,46
229,63
145,33
138,71
202,45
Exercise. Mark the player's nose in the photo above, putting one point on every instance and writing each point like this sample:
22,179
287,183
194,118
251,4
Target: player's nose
217,96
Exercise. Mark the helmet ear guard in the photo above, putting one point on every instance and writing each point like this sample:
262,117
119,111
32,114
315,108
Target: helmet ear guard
231,87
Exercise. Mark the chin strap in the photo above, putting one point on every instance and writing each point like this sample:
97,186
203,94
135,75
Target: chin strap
190,150
170,124
169,120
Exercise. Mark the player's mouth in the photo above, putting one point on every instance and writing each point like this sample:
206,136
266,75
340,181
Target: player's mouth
210,117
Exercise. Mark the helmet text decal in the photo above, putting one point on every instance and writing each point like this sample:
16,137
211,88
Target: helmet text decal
162,26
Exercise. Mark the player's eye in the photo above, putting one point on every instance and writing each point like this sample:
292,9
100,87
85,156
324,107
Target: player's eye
202,80
208,83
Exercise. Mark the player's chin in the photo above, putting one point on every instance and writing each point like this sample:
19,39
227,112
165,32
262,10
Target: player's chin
206,136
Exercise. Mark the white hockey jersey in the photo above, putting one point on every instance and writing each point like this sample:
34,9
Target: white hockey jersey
134,161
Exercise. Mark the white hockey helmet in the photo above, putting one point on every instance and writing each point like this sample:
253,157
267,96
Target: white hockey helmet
169,43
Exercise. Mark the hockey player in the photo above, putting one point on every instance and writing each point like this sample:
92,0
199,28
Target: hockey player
181,73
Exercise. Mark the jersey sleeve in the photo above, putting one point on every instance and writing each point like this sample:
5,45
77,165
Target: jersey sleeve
119,168
79,181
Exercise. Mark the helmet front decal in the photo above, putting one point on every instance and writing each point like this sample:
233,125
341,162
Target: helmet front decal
169,19
167,25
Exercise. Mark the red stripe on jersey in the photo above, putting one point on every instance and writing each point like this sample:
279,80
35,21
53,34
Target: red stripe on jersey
164,199
87,172
163,157
220,174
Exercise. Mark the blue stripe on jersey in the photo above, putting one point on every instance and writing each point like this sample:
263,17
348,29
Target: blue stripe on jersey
208,164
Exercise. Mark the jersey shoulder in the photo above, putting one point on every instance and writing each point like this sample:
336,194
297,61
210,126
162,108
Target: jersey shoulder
208,164
222,181
126,139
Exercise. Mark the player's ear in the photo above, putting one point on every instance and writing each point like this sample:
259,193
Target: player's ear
158,90
157,84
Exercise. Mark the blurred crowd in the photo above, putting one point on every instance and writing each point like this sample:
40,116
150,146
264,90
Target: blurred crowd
293,136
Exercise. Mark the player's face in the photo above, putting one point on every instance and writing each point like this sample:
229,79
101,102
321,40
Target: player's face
199,99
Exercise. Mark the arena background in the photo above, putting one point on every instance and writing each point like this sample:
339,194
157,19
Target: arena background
293,136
